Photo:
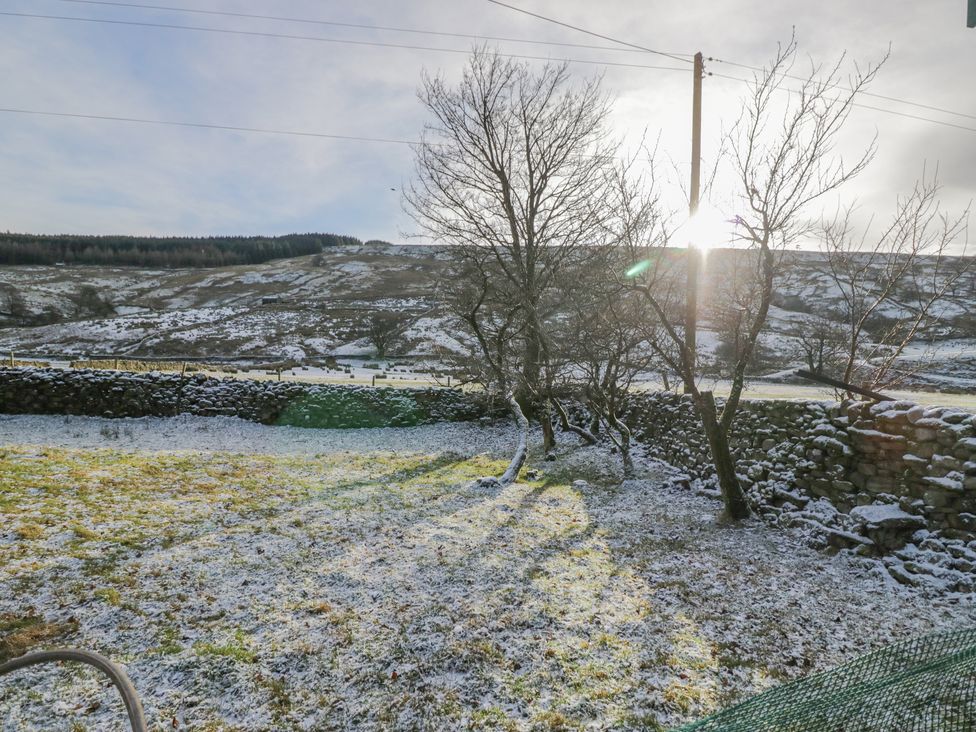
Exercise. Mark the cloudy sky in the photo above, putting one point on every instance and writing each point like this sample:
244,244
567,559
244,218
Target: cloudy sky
61,174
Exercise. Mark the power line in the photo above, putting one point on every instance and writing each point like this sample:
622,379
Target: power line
293,37
338,24
676,57
898,100
207,126
264,34
865,106
231,128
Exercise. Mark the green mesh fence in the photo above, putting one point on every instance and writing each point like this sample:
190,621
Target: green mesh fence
923,685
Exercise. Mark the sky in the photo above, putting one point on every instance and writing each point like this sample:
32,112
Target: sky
69,175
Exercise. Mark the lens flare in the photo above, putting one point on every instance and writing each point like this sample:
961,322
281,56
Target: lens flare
641,266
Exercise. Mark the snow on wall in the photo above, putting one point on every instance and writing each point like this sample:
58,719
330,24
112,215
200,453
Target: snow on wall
813,464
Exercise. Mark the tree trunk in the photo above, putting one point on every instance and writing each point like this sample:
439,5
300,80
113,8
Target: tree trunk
718,442
623,444
569,426
530,369
548,434
518,460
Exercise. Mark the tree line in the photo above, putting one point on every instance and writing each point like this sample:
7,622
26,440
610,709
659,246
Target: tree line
161,252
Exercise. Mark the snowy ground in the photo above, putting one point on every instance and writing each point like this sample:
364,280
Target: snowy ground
268,578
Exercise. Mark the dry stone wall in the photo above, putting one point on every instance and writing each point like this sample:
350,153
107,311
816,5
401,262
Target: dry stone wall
122,394
892,479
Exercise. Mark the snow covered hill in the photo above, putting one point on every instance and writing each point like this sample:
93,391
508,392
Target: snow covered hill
311,307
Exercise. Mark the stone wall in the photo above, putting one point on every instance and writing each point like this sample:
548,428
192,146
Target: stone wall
122,394
890,479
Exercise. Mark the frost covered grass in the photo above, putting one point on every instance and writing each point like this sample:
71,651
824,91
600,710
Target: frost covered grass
362,579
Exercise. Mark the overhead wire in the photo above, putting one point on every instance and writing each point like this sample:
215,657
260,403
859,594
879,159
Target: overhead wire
630,46
206,126
897,100
358,26
286,36
894,112
345,41
676,57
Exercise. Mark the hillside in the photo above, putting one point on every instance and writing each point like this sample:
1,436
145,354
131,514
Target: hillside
320,305
300,307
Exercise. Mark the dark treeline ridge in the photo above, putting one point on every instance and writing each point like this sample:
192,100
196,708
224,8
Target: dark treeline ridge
151,251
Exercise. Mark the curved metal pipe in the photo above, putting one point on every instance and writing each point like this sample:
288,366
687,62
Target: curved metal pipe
133,706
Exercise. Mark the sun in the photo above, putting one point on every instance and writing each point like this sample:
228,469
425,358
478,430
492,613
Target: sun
707,229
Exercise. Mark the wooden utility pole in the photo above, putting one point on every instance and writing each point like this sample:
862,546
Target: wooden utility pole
691,302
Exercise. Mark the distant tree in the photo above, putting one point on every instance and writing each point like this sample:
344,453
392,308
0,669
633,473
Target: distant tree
89,302
16,307
895,287
818,341
732,308
604,340
384,328
49,314
133,251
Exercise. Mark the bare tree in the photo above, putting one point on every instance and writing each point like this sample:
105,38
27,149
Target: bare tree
894,288
511,173
733,298
784,160
482,307
89,301
383,328
16,308
608,352
818,342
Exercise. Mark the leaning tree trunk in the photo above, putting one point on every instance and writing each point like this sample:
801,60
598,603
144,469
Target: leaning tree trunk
568,426
718,442
623,444
518,460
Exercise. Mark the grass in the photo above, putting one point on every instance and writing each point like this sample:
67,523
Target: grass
295,584
238,647
20,634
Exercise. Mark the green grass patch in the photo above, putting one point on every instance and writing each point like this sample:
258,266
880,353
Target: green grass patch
238,647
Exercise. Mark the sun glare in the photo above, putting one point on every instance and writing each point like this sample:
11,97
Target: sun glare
707,229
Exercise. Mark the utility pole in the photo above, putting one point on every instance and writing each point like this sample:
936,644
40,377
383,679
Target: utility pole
691,301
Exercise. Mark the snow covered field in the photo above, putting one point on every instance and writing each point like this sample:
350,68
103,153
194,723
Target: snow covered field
268,578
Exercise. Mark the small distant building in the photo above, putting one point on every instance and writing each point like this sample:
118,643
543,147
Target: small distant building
271,299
